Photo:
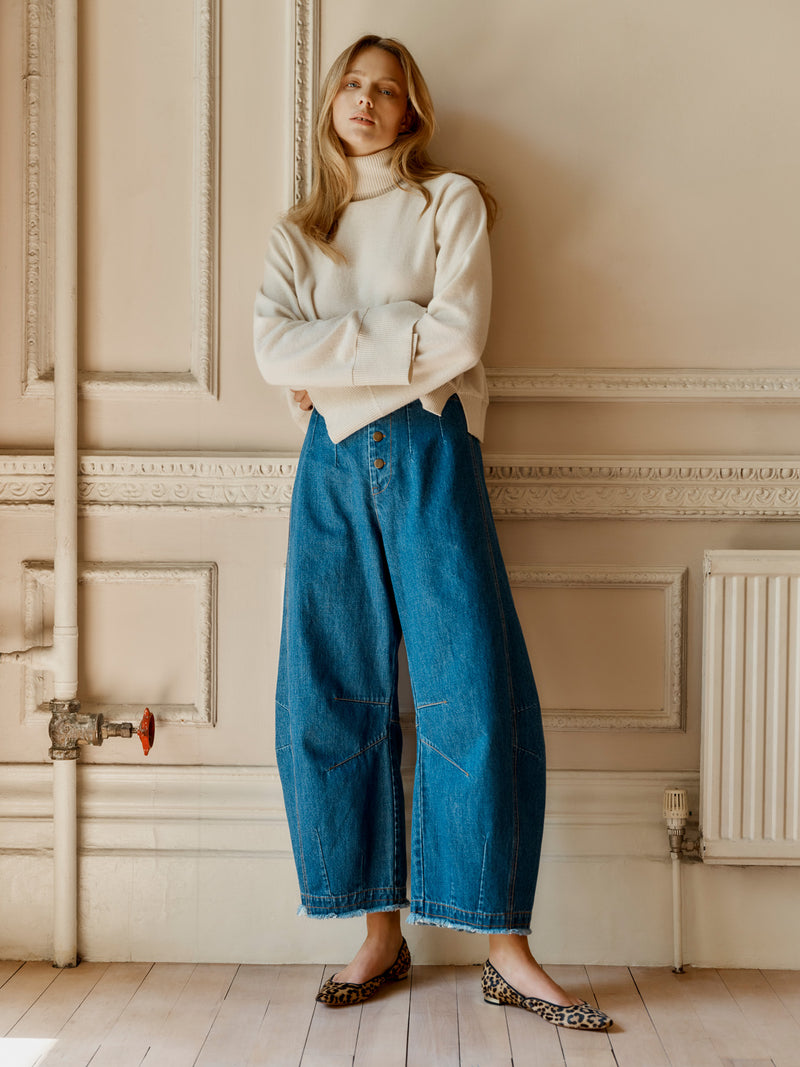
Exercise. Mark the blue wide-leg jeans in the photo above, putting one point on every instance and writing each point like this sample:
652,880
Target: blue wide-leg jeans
391,534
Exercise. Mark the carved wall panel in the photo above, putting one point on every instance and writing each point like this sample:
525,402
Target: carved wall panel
166,612
582,638
201,374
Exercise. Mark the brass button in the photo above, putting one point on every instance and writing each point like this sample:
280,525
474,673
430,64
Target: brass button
377,436
379,463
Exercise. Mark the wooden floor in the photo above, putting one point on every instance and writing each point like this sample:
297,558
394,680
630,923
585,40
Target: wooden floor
175,1014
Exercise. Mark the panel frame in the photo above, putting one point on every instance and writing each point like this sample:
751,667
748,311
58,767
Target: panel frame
37,575
201,379
673,582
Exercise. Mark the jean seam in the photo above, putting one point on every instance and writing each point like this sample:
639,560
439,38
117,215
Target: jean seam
322,861
360,700
474,447
509,914
361,751
425,741
483,873
357,894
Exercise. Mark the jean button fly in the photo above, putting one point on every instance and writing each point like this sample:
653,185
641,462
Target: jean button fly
379,463
377,436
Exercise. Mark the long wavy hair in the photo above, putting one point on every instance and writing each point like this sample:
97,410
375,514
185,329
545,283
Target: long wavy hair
318,213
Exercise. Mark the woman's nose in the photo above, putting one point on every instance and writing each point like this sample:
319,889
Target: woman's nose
365,99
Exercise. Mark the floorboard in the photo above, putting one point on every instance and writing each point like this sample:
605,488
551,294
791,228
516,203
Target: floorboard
722,1018
534,1042
673,1012
787,987
186,1028
776,1030
58,1002
383,1030
22,990
283,1031
333,1033
433,1018
228,1015
84,1032
582,1048
482,1030
8,968
232,1035
633,1037
139,1024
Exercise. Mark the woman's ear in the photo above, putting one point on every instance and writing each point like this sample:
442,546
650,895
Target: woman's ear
408,119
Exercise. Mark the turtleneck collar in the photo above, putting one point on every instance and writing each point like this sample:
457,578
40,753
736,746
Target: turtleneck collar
372,175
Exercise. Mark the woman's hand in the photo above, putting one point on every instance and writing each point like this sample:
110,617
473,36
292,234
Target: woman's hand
303,399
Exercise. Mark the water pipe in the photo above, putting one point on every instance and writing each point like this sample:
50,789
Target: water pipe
676,813
68,728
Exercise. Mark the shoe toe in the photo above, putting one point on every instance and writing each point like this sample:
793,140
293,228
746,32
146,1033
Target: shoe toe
585,1017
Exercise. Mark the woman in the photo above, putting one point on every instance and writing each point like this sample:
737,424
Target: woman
373,312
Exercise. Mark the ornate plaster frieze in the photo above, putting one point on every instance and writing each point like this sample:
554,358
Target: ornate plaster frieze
662,384
37,582
306,76
672,581
520,487
200,379
647,488
260,484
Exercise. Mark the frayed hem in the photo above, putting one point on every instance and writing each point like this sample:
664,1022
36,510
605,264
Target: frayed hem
415,919
354,914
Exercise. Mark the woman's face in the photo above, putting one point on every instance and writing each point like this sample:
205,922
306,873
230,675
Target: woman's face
371,107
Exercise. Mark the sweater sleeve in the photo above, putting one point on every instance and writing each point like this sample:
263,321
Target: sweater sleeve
451,333
367,346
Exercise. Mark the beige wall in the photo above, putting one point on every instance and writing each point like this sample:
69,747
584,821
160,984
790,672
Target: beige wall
643,360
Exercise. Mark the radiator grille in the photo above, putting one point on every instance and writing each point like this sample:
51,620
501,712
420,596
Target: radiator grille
750,748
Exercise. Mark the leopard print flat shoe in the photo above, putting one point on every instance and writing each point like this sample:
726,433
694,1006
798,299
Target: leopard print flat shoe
496,990
341,994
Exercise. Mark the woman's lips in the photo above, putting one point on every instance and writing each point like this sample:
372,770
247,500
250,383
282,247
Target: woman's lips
363,118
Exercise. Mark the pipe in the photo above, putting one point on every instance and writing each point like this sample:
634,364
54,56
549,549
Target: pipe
65,628
65,863
676,813
68,728
677,914
62,656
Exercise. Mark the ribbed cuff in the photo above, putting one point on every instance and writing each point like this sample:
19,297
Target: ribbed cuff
386,344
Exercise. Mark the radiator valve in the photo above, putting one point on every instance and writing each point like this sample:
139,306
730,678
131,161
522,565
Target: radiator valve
676,813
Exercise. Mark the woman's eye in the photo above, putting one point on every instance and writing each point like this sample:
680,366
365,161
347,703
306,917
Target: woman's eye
387,92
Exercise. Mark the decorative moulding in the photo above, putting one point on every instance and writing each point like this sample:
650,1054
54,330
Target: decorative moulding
238,811
616,383
672,581
520,487
306,76
200,380
39,202
651,487
38,577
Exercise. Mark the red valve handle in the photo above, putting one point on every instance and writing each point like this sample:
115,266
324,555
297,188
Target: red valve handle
147,730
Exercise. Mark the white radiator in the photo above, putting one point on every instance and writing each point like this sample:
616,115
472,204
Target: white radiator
750,746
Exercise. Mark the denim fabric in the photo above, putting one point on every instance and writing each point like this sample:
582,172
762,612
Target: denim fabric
391,533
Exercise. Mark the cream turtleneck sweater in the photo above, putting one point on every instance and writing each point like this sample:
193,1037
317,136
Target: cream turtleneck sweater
403,317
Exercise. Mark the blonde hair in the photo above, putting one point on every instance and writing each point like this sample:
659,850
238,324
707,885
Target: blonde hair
318,213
